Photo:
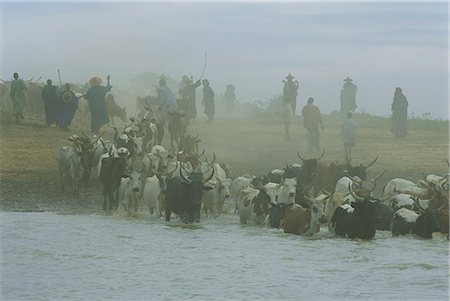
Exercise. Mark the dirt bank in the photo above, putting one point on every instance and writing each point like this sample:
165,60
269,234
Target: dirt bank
29,179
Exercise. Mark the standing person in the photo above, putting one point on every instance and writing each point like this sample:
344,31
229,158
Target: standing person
50,97
208,100
187,93
229,98
311,121
96,97
17,93
399,113
348,96
348,131
290,92
68,106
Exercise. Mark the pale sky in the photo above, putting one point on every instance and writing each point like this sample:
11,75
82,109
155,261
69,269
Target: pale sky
253,45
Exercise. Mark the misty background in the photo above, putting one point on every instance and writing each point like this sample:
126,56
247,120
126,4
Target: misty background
251,45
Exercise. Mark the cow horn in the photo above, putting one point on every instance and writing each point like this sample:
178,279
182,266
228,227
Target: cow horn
187,180
373,162
198,156
210,177
417,203
78,148
376,179
196,137
214,159
298,154
448,163
323,153
287,165
350,188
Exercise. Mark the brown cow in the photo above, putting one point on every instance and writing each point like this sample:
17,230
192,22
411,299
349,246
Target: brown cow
114,110
304,221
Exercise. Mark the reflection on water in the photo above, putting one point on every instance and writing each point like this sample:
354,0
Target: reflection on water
47,256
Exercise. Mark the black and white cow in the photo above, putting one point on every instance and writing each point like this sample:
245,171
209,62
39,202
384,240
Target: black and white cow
407,221
357,219
112,169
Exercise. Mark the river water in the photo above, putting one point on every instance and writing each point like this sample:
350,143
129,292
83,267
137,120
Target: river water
49,256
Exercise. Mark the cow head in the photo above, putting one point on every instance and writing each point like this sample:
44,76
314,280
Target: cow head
359,170
308,171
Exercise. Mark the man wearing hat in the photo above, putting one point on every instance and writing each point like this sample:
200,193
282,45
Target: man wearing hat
290,92
348,96
96,97
67,108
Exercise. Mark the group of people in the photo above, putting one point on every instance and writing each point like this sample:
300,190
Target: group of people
60,105
312,120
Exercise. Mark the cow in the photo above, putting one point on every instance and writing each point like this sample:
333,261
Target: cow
287,191
130,191
252,206
398,185
113,168
213,200
114,110
308,175
184,194
357,219
359,170
178,124
304,221
407,221
189,144
155,187
237,185
74,162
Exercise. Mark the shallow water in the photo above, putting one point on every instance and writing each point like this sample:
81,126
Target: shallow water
48,256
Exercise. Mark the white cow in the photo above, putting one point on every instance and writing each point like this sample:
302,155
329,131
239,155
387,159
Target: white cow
70,166
239,184
287,191
214,199
152,196
130,191
246,207
398,185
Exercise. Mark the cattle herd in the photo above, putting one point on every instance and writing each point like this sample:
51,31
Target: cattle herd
138,173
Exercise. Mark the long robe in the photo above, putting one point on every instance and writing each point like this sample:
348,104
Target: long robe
290,92
208,100
399,115
68,106
17,93
99,114
348,97
188,95
51,103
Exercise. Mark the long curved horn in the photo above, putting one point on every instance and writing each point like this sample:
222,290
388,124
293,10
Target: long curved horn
198,134
370,164
350,188
198,156
298,154
448,163
287,165
376,179
214,159
323,153
209,178
187,180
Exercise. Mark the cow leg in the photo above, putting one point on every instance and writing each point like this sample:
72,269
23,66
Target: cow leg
168,212
104,200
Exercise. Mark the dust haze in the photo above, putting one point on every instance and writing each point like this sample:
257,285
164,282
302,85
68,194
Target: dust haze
250,45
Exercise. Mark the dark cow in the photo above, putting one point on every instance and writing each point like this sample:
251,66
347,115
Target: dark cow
358,219
276,214
308,175
384,214
407,221
184,195
112,170
178,124
358,170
